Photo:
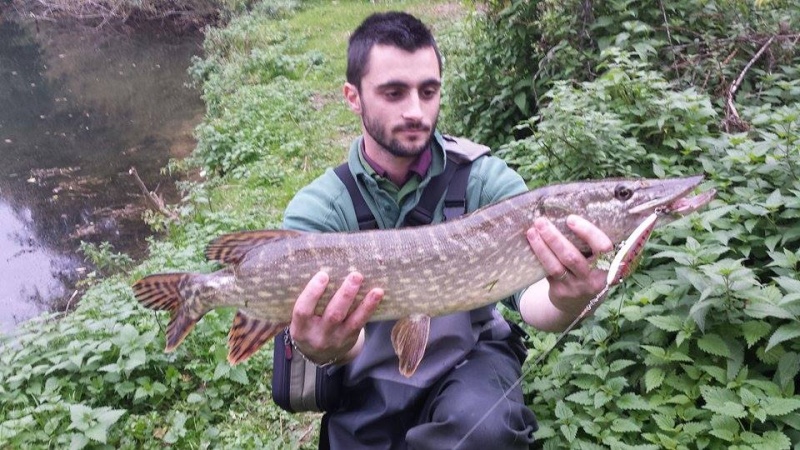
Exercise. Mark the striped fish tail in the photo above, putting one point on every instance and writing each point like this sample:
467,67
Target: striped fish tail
163,292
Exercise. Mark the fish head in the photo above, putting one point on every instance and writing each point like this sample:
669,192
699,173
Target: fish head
618,206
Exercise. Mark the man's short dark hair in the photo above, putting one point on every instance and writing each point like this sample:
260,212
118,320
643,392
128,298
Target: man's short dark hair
397,29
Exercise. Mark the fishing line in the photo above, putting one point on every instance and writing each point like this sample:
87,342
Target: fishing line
623,264
526,371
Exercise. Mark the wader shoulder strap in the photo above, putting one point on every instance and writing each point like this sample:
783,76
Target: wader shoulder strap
366,221
454,179
456,176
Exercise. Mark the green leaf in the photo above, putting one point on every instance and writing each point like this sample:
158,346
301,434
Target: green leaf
664,422
81,417
569,431
724,427
108,416
222,369
713,344
601,398
78,441
521,100
762,309
632,401
755,330
788,284
97,432
667,323
137,358
653,378
776,406
194,397
620,364
776,440
177,429
625,426
788,368
238,374
563,411
783,333
775,200
722,401
581,398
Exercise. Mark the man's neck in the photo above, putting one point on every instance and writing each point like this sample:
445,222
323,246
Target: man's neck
397,168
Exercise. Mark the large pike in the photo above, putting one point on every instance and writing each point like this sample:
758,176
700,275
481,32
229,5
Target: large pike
427,271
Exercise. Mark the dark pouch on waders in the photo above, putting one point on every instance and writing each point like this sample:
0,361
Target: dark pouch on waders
299,385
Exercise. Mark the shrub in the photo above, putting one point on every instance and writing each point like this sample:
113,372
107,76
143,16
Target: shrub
701,349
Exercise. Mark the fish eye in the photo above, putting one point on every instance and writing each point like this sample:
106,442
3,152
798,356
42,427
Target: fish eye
623,192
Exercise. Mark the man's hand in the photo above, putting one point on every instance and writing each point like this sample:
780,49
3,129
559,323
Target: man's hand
332,336
572,280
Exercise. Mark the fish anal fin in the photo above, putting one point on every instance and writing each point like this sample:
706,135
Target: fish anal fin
162,292
232,247
248,334
409,339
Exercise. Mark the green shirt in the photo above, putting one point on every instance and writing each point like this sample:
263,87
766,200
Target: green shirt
324,205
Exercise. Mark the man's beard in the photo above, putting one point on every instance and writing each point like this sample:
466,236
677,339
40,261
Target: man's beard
375,129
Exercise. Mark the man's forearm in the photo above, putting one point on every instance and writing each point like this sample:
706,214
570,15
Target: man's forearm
538,311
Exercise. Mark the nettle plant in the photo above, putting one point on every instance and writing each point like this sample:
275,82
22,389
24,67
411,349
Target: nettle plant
258,107
699,348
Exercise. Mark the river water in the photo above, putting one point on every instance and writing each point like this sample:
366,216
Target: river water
78,108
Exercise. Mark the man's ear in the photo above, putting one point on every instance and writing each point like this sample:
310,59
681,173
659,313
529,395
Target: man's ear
352,97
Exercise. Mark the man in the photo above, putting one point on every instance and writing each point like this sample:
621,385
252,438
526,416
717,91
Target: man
393,85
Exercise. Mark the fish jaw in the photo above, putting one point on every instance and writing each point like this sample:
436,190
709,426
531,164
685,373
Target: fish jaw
618,206
661,195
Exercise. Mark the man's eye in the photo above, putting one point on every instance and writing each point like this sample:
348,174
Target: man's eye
429,93
392,94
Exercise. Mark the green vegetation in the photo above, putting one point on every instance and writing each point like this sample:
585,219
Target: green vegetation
699,349
98,377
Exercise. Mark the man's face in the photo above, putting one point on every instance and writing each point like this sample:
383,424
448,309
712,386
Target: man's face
399,99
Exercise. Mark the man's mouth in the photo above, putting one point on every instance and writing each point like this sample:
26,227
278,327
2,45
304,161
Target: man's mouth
413,130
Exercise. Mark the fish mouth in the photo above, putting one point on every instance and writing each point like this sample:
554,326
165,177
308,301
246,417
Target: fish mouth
671,197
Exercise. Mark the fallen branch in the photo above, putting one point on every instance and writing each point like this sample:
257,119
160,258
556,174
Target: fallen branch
155,199
732,118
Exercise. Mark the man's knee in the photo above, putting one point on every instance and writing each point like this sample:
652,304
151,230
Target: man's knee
509,425
469,424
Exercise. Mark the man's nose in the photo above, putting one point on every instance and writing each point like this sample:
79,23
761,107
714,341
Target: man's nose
413,110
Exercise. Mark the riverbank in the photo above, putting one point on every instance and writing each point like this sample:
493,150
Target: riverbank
173,16
274,120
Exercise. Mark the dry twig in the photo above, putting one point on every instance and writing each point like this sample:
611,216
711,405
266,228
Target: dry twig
155,199
732,119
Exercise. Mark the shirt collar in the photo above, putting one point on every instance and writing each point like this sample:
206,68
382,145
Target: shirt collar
419,167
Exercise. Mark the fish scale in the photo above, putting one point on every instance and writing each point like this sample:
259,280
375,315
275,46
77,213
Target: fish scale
425,271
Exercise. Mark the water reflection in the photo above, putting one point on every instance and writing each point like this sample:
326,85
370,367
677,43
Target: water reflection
78,108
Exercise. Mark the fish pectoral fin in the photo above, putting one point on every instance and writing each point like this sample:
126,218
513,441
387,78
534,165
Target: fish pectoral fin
232,247
409,339
248,334
162,292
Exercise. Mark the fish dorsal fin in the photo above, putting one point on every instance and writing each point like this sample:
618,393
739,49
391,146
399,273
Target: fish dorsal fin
409,339
230,248
248,334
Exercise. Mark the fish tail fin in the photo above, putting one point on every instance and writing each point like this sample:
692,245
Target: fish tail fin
162,292
248,334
